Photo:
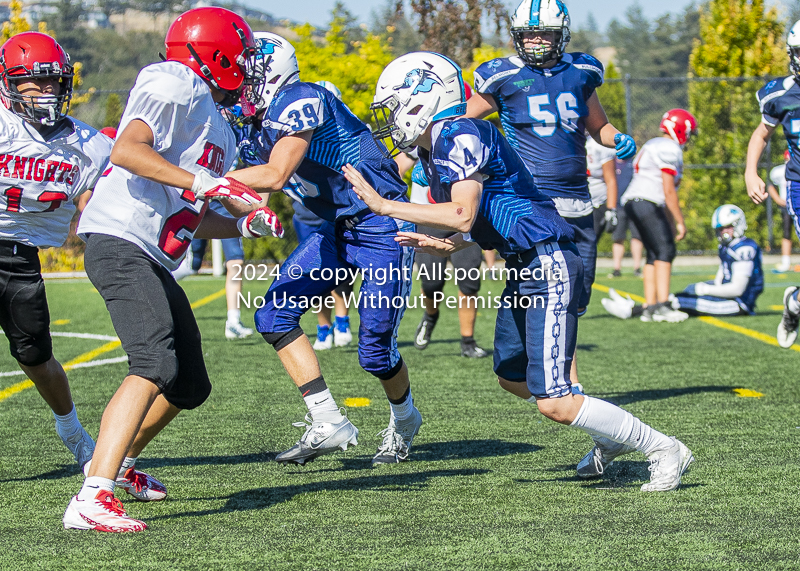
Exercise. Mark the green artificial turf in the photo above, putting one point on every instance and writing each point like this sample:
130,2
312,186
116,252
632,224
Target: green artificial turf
492,483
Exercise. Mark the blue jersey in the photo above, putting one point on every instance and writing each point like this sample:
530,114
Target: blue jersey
543,113
743,250
513,215
779,101
339,138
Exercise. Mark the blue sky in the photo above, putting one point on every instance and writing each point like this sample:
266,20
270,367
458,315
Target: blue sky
318,11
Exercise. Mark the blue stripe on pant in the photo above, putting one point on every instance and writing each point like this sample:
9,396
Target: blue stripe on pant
536,344
708,305
793,203
370,246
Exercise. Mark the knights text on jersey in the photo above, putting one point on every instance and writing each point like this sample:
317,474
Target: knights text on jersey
40,177
659,155
543,113
743,254
779,101
189,132
339,138
513,215
596,156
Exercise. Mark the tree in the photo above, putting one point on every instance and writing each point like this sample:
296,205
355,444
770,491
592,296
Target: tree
453,27
738,38
113,111
612,97
393,27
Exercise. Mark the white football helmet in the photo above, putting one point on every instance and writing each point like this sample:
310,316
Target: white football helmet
330,86
550,17
793,49
414,91
726,216
280,66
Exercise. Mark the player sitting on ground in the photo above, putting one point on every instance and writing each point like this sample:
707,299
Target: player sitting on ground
303,134
733,291
63,158
172,149
484,192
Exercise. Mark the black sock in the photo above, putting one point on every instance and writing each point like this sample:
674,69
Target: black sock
432,318
637,310
403,398
467,340
313,387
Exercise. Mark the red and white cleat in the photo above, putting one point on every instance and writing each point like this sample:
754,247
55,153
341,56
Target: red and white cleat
104,513
142,486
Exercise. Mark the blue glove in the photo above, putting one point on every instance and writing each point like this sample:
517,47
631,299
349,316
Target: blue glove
626,146
418,175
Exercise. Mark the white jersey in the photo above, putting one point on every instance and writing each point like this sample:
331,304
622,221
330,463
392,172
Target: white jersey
656,156
189,132
39,178
596,156
777,177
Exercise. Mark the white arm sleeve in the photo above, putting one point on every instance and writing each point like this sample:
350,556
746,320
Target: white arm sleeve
740,276
720,276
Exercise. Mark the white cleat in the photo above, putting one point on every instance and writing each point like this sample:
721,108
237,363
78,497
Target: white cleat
665,314
787,328
81,445
667,466
320,438
599,458
141,486
103,513
342,338
324,339
397,439
237,331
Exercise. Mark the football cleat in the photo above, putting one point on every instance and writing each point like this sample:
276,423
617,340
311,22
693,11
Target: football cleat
637,273
324,338
424,332
237,331
665,313
787,328
342,338
81,445
667,466
320,438
615,274
103,513
397,439
472,351
599,458
142,486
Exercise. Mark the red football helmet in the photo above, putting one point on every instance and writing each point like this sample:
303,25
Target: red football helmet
679,124
219,47
33,55
787,154
109,132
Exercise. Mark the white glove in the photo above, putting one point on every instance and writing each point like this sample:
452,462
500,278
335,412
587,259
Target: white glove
701,288
206,186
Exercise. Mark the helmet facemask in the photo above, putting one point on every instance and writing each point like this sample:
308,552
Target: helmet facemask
541,54
794,60
44,109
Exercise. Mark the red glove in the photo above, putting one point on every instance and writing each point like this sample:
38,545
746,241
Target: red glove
260,223
207,187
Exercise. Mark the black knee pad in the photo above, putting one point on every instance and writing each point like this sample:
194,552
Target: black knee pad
391,372
469,287
33,354
190,396
281,340
668,253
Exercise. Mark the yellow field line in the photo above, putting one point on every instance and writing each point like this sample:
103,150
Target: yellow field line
763,337
90,355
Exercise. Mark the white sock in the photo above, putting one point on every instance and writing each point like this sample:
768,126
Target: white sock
234,315
601,418
403,410
786,261
92,485
128,462
323,407
68,424
792,303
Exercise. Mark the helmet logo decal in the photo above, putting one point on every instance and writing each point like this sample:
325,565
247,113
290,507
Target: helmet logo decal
419,81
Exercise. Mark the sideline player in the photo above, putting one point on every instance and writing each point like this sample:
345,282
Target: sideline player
734,290
63,158
777,191
137,228
484,192
651,203
601,173
778,101
547,104
304,135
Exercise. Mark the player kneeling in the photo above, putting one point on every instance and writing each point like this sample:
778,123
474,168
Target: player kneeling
734,290
484,193
137,228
